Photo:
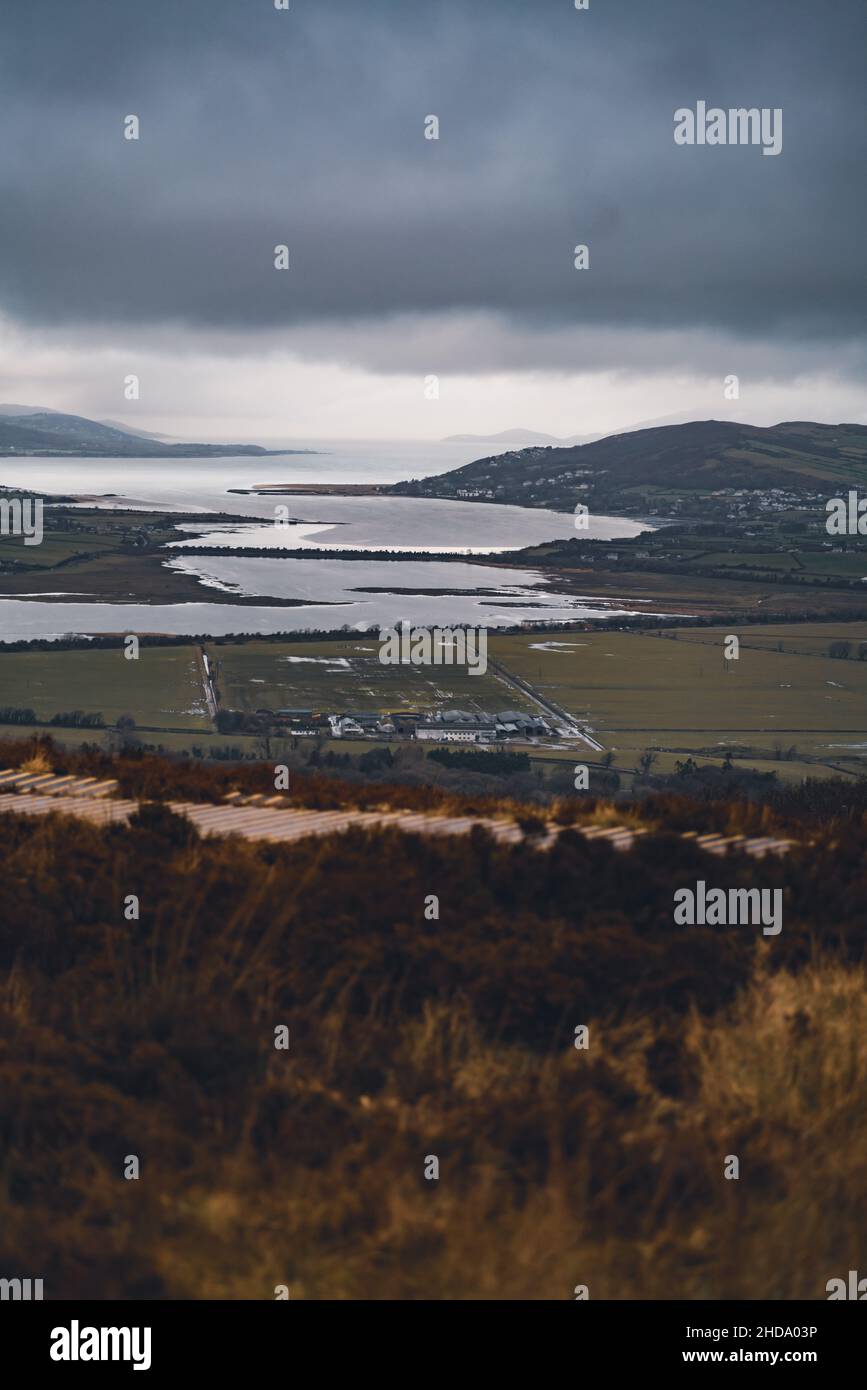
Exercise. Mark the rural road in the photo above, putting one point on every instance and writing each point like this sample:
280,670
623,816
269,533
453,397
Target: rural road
552,710
208,684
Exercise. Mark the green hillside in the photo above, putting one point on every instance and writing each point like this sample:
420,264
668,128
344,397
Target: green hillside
703,456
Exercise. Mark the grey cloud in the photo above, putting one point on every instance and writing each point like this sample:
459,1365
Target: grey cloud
261,127
464,344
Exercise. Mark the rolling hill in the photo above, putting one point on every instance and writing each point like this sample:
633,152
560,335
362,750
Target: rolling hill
522,439
34,431
702,456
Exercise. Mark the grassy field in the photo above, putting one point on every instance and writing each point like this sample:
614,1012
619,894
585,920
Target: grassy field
638,691
58,547
851,566
785,705
107,555
161,690
347,675
635,680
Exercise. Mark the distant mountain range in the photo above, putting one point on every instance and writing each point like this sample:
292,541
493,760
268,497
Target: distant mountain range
28,429
624,471
519,438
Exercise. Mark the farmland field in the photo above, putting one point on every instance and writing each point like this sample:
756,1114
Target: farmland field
161,690
56,548
784,705
677,692
347,675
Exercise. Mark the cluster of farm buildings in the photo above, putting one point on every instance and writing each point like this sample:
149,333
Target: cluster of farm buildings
440,726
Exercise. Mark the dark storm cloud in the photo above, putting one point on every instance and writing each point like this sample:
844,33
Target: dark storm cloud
306,127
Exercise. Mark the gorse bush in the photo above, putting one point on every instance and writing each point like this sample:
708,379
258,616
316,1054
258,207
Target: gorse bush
163,824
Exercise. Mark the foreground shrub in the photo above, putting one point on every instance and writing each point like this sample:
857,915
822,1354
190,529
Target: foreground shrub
410,1037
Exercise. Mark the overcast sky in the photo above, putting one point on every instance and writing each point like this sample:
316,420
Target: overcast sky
411,257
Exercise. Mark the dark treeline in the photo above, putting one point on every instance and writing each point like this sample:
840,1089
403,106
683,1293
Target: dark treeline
268,552
71,719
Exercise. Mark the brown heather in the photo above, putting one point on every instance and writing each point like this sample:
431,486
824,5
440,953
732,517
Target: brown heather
411,1037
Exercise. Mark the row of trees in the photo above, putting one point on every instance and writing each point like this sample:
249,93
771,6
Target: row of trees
841,651
70,719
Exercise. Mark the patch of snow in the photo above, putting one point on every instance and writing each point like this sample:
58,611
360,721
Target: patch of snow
555,646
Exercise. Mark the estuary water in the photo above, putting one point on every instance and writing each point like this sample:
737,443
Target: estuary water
330,593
